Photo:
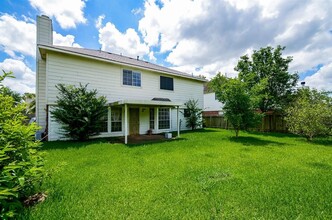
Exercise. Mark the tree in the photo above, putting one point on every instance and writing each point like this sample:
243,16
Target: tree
30,100
4,90
79,111
21,163
311,114
267,78
193,114
238,107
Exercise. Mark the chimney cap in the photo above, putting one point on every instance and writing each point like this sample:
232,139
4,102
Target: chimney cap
45,16
137,57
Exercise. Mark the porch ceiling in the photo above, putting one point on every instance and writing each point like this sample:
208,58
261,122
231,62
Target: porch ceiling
146,102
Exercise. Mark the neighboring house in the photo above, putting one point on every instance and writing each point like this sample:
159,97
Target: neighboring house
141,95
212,107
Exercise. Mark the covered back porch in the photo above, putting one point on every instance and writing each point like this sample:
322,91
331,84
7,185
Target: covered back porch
148,116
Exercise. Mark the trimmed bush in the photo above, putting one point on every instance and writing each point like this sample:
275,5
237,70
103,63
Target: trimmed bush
79,111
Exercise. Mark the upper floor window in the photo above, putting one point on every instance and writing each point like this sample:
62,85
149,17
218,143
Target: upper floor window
131,78
166,83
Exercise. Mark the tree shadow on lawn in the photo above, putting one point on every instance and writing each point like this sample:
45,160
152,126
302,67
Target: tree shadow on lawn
320,165
53,145
202,130
272,134
253,141
323,141
147,143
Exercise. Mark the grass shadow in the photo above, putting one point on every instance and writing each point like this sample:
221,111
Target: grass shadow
202,130
54,145
253,141
147,143
327,142
272,134
319,165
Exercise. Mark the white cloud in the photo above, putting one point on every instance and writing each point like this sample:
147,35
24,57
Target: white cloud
322,79
17,36
18,39
128,43
68,40
67,13
99,21
152,57
25,77
206,36
137,11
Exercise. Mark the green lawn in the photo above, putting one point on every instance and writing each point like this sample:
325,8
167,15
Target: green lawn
205,175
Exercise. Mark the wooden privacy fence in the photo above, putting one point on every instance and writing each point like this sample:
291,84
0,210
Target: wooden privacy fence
270,123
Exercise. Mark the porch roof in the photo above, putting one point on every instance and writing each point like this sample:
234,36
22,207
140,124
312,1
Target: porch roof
146,102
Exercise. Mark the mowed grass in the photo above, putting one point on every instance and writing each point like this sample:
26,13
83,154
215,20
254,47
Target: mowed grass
205,175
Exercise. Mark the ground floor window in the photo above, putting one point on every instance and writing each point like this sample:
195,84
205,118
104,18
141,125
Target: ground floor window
164,118
151,118
104,126
116,119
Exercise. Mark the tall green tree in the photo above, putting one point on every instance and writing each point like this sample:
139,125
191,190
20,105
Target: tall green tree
79,111
238,106
266,76
311,114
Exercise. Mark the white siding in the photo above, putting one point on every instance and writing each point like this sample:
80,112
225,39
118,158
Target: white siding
54,128
44,30
211,103
44,36
40,94
107,79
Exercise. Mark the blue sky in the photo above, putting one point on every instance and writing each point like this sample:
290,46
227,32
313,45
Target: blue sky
198,37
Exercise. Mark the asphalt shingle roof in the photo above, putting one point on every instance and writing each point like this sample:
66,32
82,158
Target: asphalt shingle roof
119,59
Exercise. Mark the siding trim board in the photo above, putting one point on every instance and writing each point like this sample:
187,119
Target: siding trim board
146,103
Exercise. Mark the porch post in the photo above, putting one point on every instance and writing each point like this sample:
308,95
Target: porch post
177,120
126,124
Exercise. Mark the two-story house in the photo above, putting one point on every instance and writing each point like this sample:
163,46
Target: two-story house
142,96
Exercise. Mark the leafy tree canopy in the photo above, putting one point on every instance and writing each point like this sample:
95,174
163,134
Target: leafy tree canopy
238,105
266,76
311,114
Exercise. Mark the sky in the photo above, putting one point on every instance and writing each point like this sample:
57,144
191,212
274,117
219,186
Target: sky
199,37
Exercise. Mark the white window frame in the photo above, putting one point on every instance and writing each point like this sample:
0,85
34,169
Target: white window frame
113,110
107,125
132,79
169,116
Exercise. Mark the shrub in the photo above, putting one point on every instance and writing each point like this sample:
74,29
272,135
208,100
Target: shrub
21,164
193,114
79,111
